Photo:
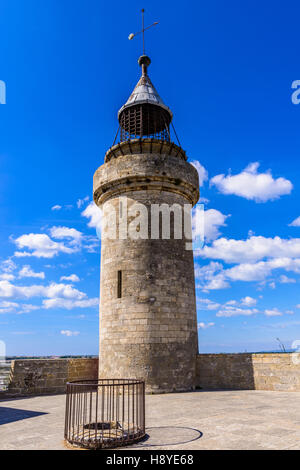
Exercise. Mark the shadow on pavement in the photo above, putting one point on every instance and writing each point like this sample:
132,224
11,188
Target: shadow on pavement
169,436
9,415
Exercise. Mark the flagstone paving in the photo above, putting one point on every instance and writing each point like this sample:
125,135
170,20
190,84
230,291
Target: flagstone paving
197,420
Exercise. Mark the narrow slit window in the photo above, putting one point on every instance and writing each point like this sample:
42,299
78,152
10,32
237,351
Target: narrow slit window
119,284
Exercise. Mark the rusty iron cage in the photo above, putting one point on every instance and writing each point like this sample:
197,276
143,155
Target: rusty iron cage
105,413
144,120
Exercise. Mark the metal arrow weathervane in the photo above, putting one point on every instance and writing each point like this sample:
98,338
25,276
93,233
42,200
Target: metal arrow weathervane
132,35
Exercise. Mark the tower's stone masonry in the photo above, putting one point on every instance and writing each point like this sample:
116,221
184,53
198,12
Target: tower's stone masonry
151,331
148,324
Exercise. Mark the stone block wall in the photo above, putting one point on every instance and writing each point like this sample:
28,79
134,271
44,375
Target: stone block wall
270,371
48,376
148,324
274,372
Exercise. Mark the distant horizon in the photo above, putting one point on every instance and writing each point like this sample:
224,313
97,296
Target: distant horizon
67,356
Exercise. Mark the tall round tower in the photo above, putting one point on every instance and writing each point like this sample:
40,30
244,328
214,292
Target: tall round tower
146,189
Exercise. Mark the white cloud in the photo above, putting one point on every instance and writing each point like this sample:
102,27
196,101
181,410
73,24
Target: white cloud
41,245
57,207
248,301
286,280
231,302
211,277
212,221
252,249
8,265
273,312
250,184
93,213
72,278
7,277
69,333
13,307
7,307
53,290
215,276
207,304
65,232
26,308
295,223
231,311
202,172
203,200
69,304
26,271
81,202
248,272
204,326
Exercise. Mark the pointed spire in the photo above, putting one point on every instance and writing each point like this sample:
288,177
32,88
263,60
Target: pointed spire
144,91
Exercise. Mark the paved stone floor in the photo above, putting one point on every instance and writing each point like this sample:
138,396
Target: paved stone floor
198,420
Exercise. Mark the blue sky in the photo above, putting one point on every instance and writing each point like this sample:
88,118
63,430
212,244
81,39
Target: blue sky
226,70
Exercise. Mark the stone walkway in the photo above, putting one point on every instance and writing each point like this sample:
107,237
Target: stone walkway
198,420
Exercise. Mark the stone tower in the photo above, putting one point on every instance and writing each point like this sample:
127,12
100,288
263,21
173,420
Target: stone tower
148,325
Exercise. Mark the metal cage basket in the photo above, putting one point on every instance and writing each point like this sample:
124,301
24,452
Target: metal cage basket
105,413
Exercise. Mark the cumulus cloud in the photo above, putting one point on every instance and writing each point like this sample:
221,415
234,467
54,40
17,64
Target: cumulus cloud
286,280
8,265
248,301
75,238
252,185
26,308
13,307
81,202
295,223
53,290
69,333
273,312
215,276
7,307
211,277
202,172
207,304
213,220
249,272
71,278
65,232
204,326
69,304
207,224
232,311
26,271
6,277
93,213
58,207
252,249
41,246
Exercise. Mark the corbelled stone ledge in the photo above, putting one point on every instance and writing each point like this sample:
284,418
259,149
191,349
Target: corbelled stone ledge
146,172
139,146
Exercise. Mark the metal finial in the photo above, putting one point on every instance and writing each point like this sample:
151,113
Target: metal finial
132,35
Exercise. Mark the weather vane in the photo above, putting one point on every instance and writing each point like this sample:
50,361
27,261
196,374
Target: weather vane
132,35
